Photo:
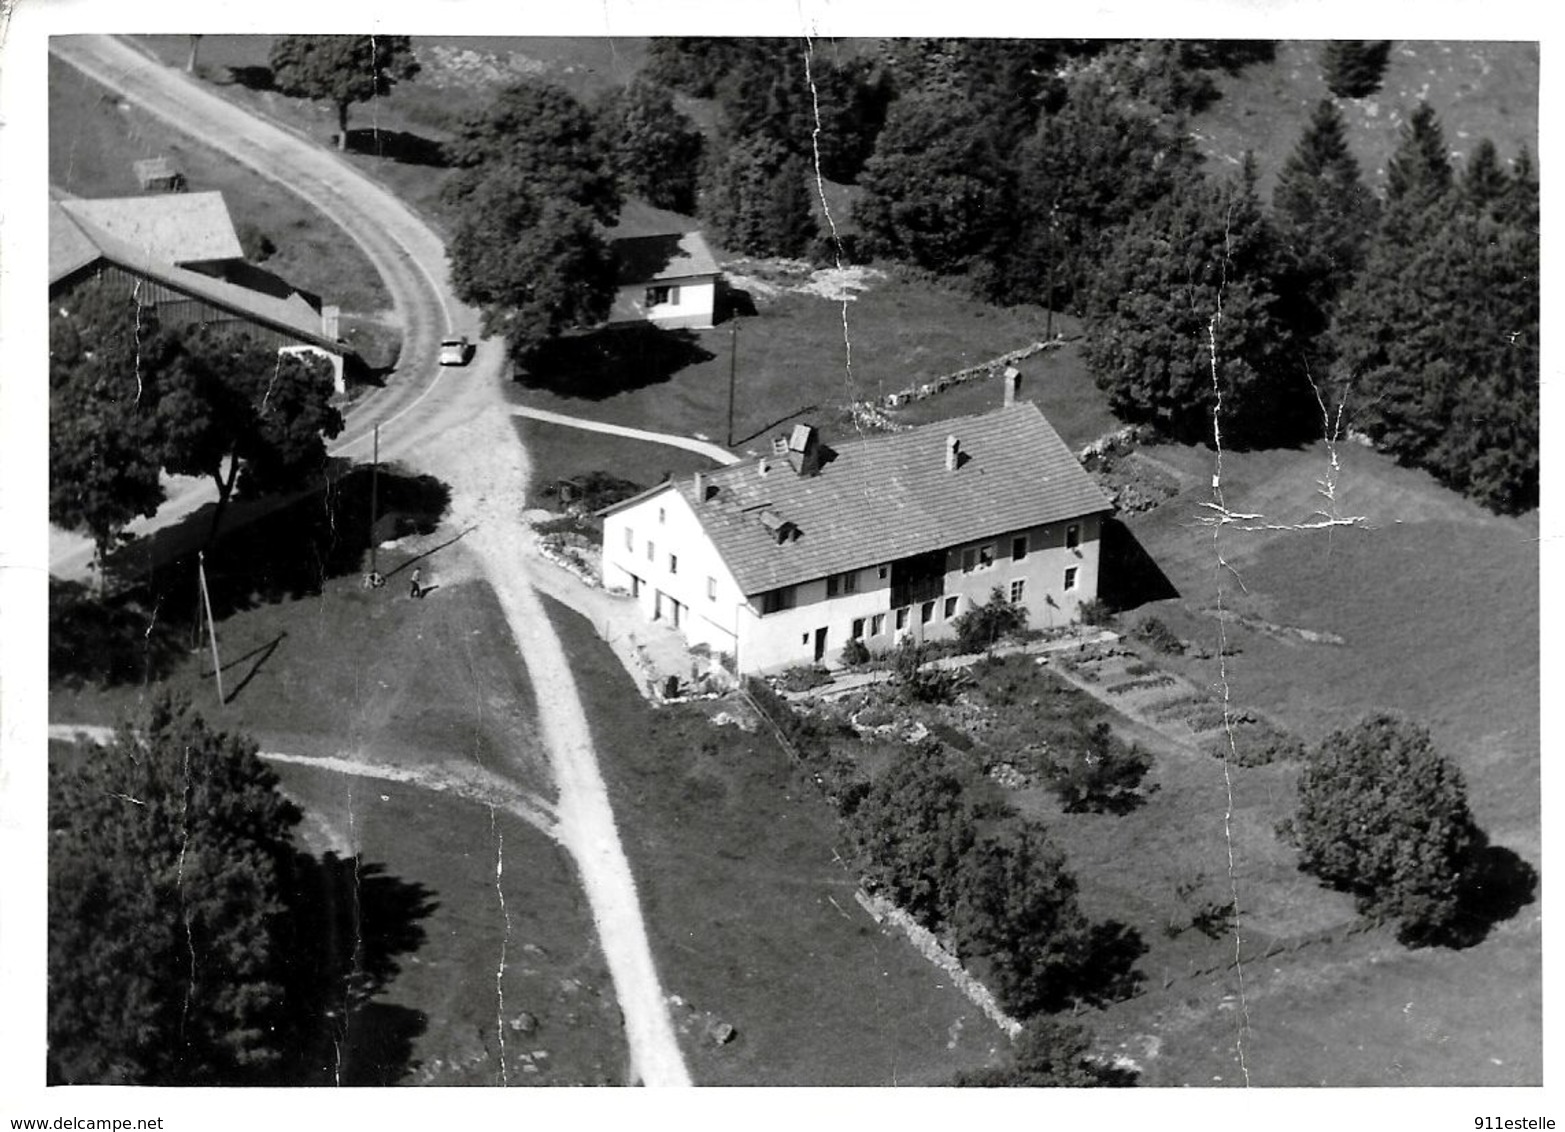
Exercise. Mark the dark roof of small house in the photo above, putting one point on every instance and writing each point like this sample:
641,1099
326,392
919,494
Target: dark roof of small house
75,242
888,497
172,227
651,259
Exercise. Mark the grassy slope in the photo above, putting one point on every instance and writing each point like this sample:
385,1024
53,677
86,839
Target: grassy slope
1478,90
751,916
1419,640
792,360
557,453
421,683
93,140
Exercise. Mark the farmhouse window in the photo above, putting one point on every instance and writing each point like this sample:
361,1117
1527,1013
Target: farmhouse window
831,585
662,515
877,624
630,538
926,613
652,551
883,573
1020,585
659,295
950,607
1070,577
850,582
902,618
1072,537
673,563
858,628
1019,547
711,589
775,601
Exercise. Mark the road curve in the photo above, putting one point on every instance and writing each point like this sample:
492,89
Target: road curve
464,435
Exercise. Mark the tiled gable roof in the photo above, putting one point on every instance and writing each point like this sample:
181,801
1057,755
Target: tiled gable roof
169,227
293,315
888,497
648,259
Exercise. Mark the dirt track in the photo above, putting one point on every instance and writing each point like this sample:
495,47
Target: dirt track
458,428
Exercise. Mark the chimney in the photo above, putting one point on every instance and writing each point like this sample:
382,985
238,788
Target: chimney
804,450
1013,383
953,453
700,487
329,322
763,467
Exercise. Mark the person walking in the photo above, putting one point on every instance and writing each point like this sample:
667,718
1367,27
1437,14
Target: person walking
414,588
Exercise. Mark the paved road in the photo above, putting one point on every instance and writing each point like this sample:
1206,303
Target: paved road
462,434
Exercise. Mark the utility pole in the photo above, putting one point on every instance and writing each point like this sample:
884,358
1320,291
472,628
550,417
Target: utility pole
211,628
733,363
374,494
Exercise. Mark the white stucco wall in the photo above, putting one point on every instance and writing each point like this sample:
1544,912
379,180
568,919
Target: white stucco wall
693,305
720,616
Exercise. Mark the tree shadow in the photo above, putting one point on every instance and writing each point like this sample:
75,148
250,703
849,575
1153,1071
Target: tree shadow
605,362
1498,884
1128,576
399,146
1110,974
731,302
265,553
253,78
110,639
349,923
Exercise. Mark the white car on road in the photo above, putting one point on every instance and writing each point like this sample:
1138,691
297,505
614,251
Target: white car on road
455,351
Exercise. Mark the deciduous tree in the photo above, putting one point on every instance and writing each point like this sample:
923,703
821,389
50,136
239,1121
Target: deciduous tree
231,406
165,853
1190,331
757,199
536,265
1016,911
939,188
1384,816
341,69
543,139
1050,1053
105,357
656,149
914,824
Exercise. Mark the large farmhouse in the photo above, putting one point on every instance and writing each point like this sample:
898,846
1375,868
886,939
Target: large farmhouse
782,560
179,254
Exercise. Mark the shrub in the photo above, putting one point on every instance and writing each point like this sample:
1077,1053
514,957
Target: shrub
256,245
1160,637
803,677
984,626
854,653
916,683
1100,773
1049,1053
1384,816
1255,742
1095,612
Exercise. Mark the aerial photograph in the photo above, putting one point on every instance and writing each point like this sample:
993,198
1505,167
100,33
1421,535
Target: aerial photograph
965,563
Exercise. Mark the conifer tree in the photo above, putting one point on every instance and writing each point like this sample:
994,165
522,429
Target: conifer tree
1324,213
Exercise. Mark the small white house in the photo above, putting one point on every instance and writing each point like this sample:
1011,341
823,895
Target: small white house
782,560
668,280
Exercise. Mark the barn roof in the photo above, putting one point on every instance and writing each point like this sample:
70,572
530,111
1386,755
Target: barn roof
172,227
78,242
887,497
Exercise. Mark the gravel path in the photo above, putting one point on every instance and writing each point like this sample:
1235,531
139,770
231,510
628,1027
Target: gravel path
688,443
462,433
